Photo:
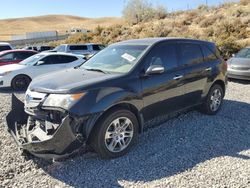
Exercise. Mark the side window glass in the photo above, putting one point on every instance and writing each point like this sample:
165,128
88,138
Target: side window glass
78,47
190,54
208,54
21,55
163,54
68,59
49,60
9,56
58,59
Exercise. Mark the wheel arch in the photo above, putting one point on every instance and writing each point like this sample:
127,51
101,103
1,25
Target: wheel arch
20,75
16,76
220,83
119,106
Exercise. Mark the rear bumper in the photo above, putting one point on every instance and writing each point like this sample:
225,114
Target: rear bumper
63,142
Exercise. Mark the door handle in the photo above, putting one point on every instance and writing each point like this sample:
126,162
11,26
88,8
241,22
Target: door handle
209,69
178,77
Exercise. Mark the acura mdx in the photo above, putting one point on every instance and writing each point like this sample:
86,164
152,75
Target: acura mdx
106,102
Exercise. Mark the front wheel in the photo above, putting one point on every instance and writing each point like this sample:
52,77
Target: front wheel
213,101
115,134
20,82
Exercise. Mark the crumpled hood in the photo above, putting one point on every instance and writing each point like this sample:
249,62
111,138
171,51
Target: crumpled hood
69,81
11,67
240,62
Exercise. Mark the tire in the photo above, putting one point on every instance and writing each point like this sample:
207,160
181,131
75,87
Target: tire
20,82
214,100
111,142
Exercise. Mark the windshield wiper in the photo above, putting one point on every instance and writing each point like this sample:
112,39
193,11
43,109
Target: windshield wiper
98,70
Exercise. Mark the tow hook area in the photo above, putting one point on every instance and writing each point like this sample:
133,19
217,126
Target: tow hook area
41,137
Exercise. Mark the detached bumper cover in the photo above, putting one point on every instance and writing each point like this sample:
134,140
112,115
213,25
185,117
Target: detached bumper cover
36,140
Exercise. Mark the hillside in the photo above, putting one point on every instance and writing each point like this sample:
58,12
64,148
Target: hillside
61,23
228,25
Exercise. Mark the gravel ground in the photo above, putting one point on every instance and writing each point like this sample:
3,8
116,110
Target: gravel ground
191,150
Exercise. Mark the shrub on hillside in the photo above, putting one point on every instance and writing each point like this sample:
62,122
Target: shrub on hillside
137,11
79,38
244,2
228,47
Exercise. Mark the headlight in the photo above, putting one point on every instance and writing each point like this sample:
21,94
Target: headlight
5,73
62,100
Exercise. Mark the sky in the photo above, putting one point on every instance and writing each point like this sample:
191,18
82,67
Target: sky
85,8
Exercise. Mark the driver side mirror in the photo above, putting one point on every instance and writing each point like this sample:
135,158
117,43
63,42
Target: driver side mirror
155,69
40,62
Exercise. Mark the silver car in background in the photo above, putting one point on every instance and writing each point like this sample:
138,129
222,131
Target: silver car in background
80,49
239,65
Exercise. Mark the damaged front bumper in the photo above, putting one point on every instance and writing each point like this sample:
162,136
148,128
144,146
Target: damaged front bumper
42,137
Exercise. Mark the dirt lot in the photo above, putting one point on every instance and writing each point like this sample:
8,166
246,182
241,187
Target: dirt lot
192,150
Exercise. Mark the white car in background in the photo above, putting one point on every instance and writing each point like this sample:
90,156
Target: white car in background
18,76
5,46
83,49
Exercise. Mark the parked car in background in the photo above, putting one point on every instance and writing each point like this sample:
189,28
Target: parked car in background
14,56
107,101
83,49
44,48
18,76
5,46
239,65
34,48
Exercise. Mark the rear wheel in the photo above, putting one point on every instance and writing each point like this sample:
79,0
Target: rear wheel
20,82
115,134
213,100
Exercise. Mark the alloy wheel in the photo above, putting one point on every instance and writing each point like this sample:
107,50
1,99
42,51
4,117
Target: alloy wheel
215,100
119,134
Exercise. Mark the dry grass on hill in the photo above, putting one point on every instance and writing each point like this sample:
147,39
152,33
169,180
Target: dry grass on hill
60,23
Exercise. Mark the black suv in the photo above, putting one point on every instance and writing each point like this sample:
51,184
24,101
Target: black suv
107,101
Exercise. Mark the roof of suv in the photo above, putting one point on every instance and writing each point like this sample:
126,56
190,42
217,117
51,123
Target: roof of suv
4,44
61,53
85,44
151,41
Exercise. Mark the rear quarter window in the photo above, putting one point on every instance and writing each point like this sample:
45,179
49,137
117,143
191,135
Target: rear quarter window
68,59
209,55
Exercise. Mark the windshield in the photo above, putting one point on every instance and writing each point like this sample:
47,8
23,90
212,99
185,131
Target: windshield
3,48
32,60
116,58
244,53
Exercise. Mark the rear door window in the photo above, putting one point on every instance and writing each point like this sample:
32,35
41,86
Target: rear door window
67,59
163,54
190,54
50,60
